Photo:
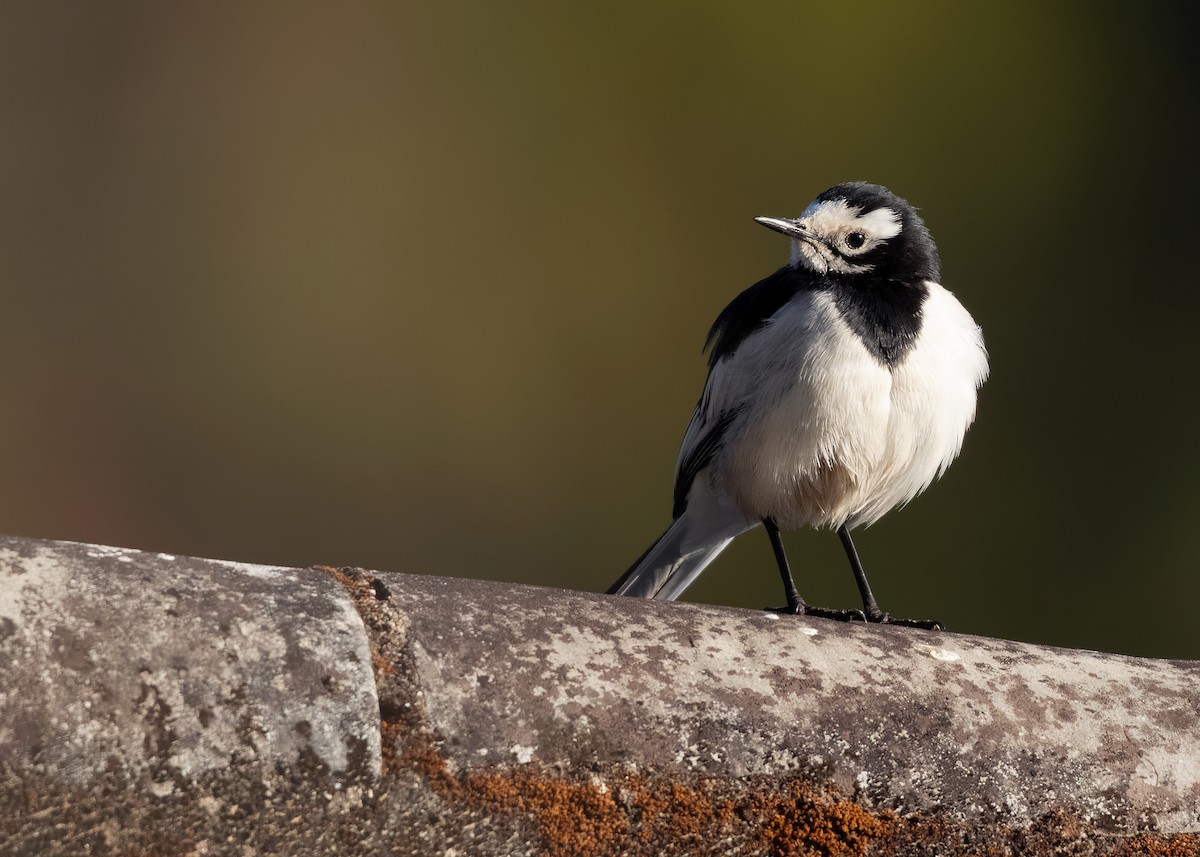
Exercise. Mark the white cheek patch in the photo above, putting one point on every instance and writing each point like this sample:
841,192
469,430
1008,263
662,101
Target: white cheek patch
882,223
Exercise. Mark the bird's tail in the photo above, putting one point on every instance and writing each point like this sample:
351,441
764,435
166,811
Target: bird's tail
670,565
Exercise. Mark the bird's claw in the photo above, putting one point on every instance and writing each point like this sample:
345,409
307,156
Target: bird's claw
927,624
882,618
837,615
871,617
790,610
802,609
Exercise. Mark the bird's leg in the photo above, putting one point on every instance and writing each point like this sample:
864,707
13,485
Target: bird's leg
870,606
795,604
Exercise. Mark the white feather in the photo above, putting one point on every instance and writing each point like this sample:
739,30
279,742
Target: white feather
882,223
828,435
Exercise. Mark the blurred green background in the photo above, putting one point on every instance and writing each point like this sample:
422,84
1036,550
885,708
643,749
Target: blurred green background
423,287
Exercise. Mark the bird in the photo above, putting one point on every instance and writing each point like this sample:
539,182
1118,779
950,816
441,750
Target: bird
839,388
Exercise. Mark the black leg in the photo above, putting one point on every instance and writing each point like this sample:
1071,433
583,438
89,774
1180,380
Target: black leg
796,604
870,606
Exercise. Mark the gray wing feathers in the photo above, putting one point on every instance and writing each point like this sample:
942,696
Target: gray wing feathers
691,542
669,566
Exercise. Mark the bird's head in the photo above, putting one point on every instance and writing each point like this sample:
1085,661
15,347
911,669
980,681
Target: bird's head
858,228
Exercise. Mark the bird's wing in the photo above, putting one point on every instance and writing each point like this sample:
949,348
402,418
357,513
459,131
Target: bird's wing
751,310
721,402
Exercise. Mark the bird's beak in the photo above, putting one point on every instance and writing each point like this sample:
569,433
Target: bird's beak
790,228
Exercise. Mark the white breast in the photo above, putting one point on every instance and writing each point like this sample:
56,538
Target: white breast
830,435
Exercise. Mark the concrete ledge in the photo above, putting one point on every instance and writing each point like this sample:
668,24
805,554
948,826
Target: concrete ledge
159,668
150,702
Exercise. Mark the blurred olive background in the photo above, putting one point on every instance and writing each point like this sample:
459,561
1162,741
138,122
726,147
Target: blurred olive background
422,287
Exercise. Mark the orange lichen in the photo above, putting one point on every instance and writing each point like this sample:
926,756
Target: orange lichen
573,818
1180,845
798,820
640,814
674,811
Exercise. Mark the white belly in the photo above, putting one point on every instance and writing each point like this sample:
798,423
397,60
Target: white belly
840,438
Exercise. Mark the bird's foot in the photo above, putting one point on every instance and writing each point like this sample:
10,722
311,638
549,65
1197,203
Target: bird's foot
837,615
875,617
801,609
880,618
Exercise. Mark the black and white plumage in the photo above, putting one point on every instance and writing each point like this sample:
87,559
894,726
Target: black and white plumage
839,388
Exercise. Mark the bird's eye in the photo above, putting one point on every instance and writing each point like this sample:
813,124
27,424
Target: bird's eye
855,240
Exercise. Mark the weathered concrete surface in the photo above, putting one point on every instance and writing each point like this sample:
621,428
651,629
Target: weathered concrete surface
965,727
161,668
153,704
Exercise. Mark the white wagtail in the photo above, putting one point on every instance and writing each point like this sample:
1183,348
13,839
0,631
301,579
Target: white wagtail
838,388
